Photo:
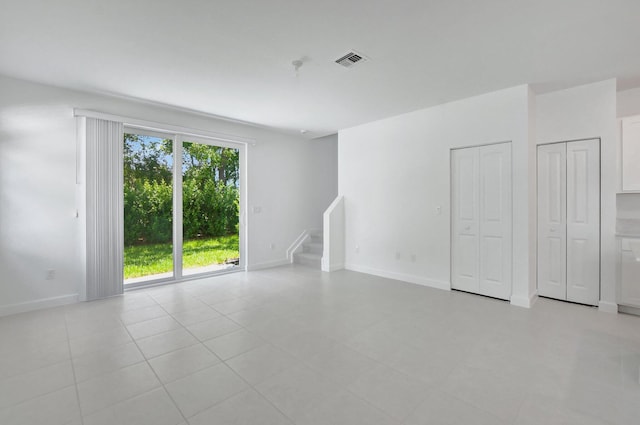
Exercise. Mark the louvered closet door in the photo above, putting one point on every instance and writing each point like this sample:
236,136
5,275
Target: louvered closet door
583,221
464,219
552,226
495,220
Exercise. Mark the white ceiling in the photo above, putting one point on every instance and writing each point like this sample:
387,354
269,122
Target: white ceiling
233,58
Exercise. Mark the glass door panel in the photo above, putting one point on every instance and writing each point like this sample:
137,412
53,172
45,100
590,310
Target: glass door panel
148,208
210,203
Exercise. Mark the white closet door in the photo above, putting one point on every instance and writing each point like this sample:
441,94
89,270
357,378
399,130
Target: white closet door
464,208
552,226
495,220
583,221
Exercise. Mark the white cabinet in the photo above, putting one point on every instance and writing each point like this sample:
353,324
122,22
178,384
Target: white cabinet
569,221
481,220
629,291
631,154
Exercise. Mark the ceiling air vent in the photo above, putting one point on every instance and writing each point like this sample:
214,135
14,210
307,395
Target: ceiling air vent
350,59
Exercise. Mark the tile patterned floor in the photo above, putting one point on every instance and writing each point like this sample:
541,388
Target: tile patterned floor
292,345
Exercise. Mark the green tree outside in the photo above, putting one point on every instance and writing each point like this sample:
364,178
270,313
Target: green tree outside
210,194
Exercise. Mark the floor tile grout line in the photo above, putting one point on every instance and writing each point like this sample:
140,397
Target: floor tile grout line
346,387
190,374
157,377
35,370
242,327
481,408
48,393
68,360
302,364
73,369
144,360
234,372
249,385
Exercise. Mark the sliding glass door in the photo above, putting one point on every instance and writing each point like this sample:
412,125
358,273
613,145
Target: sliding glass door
148,207
182,201
210,208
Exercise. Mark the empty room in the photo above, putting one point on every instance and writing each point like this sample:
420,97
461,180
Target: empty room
287,212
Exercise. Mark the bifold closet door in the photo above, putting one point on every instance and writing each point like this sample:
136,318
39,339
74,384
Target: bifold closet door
583,221
552,225
569,221
495,220
465,259
481,220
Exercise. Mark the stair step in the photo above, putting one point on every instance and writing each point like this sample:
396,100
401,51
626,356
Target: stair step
313,247
315,237
307,259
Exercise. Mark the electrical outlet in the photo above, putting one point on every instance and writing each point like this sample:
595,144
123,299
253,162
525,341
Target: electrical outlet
257,209
50,274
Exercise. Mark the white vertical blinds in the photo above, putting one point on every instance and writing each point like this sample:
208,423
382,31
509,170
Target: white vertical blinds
104,208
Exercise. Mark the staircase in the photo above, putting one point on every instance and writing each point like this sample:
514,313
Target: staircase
311,254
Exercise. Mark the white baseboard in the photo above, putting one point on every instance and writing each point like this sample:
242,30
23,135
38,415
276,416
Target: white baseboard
608,307
524,301
333,267
418,280
24,307
268,265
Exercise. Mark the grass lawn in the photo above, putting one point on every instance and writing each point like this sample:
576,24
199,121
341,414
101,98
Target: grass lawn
144,260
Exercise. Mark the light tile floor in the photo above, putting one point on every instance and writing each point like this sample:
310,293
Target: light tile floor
292,345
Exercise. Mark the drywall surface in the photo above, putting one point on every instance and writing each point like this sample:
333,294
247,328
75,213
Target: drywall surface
291,179
325,149
628,103
395,177
586,112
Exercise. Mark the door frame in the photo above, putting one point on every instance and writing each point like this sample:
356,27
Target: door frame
599,139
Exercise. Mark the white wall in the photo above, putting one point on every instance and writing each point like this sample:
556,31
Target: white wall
292,179
394,175
325,149
585,112
628,103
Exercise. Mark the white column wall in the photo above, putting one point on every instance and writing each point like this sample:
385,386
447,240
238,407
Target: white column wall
628,103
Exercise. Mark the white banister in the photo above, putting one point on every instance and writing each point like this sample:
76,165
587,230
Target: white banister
297,245
333,252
